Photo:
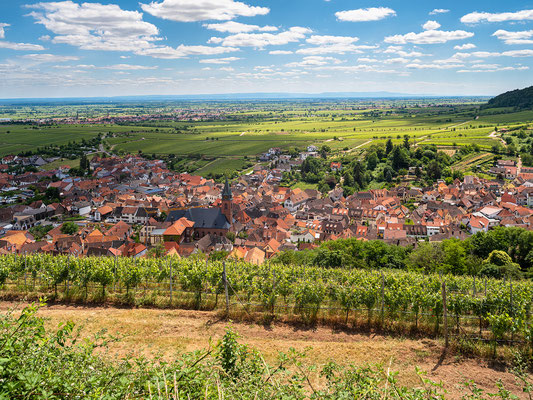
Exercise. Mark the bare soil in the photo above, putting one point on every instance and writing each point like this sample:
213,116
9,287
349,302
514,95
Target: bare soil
152,332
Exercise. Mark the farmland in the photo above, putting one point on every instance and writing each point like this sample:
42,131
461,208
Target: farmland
231,132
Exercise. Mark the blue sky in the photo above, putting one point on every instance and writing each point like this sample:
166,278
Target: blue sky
127,47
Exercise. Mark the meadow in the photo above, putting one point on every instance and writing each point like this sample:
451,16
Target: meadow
234,132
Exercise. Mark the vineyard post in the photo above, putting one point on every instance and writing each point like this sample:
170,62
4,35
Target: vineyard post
170,268
445,314
25,270
114,272
474,286
511,298
68,267
485,286
225,277
382,299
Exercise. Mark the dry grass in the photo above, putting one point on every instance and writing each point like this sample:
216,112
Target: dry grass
153,332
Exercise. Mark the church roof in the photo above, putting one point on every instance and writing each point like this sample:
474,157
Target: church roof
207,218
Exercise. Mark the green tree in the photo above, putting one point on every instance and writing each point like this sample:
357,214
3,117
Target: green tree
69,228
388,147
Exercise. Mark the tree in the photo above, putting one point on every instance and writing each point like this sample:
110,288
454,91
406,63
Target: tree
69,228
372,161
400,158
324,150
388,146
406,143
434,170
359,174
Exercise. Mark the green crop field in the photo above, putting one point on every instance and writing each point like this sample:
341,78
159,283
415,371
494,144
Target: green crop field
248,129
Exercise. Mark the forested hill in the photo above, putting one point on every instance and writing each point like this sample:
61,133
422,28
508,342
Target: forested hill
520,98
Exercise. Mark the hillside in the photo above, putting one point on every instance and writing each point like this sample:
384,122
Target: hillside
519,98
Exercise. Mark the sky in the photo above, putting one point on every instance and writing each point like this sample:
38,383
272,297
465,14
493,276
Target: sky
170,47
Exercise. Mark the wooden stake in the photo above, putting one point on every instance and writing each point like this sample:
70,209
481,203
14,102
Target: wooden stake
445,314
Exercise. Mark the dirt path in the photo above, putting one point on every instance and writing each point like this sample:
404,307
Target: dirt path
168,332
495,135
358,146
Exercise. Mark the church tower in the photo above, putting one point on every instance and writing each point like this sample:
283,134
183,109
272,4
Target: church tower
227,198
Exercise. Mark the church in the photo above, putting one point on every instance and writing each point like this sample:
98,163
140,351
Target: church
199,222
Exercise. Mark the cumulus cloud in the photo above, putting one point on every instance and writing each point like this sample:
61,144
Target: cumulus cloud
402,53
237,27
429,37
261,40
484,54
21,46
339,48
225,60
439,11
323,40
95,26
520,37
280,52
46,58
119,67
492,68
433,66
466,46
431,25
313,61
476,17
167,52
2,31
202,10
365,14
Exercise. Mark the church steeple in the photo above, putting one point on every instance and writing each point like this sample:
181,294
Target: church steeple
226,193
227,198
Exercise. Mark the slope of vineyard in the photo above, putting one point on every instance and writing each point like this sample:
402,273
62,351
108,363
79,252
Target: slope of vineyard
488,309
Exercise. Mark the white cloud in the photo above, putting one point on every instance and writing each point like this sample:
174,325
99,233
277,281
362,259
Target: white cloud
439,11
237,27
492,68
280,52
428,37
477,17
313,61
335,49
402,53
202,10
117,67
167,52
518,53
466,46
2,32
397,60
227,69
45,58
431,25
21,46
521,37
434,66
365,14
324,40
261,40
225,60
484,54
95,26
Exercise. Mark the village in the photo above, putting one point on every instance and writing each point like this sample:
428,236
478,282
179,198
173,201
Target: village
135,207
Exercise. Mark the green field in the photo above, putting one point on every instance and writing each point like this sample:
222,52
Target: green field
220,144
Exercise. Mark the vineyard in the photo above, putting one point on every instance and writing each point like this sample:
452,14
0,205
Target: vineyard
493,311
